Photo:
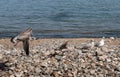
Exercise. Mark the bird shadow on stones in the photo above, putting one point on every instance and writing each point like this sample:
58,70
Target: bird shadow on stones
4,66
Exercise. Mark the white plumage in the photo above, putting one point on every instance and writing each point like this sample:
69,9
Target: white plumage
15,39
100,43
88,45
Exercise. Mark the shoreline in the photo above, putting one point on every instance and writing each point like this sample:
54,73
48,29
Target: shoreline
81,40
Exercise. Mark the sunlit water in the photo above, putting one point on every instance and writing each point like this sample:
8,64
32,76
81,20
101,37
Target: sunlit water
60,18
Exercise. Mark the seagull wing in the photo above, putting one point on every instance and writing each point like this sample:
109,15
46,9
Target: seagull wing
26,32
26,46
86,46
63,46
97,44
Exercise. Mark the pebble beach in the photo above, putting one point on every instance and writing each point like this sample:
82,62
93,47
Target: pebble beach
48,59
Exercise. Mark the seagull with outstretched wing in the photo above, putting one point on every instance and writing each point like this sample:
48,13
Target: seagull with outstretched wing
24,36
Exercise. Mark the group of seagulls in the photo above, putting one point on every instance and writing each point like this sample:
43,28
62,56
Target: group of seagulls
26,35
92,44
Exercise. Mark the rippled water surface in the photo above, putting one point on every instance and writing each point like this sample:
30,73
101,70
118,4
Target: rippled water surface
60,18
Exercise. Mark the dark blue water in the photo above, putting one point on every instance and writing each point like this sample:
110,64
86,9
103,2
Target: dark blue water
60,18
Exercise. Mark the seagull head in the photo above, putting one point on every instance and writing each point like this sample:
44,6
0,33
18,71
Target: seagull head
92,41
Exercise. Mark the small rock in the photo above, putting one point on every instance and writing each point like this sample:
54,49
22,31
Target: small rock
70,74
31,76
92,71
1,56
108,60
118,68
44,63
101,75
37,70
105,49
79,51
19,74
83,65
55,74
100,53
58,57
85,51
12,76
102,58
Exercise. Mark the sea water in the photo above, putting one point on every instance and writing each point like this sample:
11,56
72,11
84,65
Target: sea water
60,18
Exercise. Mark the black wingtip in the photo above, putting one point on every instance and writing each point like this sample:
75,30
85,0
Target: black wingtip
26,46
27,53
63,46
11,39
29,29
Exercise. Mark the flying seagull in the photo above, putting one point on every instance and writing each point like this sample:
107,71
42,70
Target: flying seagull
24,37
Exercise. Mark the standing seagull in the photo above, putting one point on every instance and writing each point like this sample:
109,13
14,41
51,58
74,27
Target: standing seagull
101,42
88,45
24,37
